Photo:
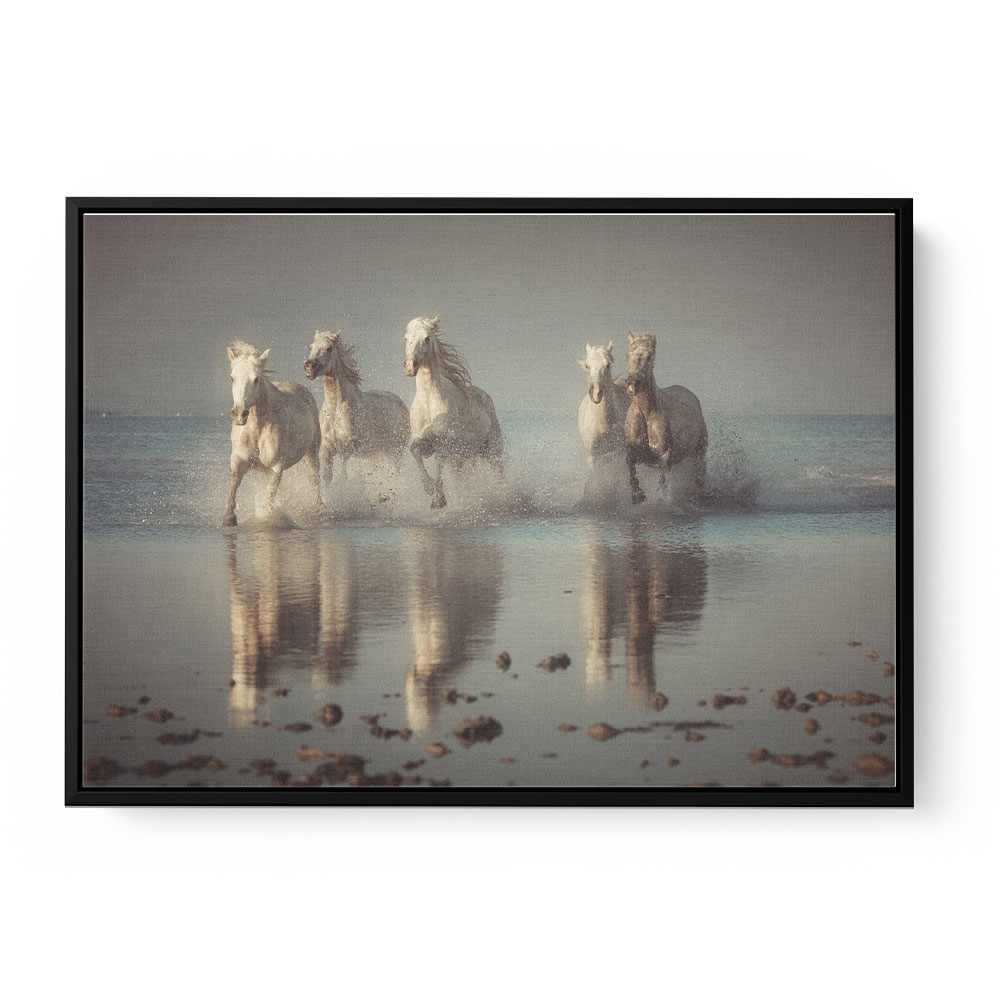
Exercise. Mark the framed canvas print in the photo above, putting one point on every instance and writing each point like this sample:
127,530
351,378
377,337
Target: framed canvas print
385,501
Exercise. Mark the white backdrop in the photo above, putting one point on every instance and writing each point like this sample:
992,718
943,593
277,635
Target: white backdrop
859,99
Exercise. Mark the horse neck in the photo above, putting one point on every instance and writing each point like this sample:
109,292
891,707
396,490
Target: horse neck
337,389
266,399
646,394
429,377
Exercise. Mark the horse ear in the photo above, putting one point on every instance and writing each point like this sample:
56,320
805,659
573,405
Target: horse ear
582,364
631,336
588,347
232,354
263,357
611,344
337,334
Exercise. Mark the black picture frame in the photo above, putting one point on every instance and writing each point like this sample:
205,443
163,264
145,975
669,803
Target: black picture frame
900,795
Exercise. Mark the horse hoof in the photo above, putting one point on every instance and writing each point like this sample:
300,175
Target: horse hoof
229,521
438,502
638,497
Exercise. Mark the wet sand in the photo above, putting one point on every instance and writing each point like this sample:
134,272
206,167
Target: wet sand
726,649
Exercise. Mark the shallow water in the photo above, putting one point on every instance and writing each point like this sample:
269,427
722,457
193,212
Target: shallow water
383,609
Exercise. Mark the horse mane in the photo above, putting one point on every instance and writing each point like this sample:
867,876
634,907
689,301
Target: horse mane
241,347
452,363
348,363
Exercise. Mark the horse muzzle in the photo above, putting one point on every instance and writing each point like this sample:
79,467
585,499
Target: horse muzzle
410,367
596,395
240,417
310,368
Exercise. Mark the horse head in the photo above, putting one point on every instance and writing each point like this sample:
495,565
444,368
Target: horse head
641,355
246,370
598,369
322,354
420,343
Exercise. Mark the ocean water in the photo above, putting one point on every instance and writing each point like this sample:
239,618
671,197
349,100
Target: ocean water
679,626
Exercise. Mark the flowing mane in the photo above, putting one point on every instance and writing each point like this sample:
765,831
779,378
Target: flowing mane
348,363
452,363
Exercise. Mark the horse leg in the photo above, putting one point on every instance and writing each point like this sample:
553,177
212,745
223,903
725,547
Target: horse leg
328,454
272,491
630,456
419,449
438,500
312,465
238,471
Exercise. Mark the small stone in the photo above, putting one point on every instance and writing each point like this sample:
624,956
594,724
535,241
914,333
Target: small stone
311,753
295,727
263,765
873,655
660,701
672,762
803,706
436,750
330,715
451,696
100,769
784,699
553,663
145,700
878,737
692,736
854,644
811,726
758,755
158,715
702,703
280,692
644,764
601,731
485,729
503,661
176,739
888,670
567,727
876,719
506,760
117,711
872,765
722,700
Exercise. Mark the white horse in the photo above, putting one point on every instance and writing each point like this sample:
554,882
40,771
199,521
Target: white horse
275,424
369,424
664,427
450,417
601,417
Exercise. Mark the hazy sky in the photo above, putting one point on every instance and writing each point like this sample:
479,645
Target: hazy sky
773,314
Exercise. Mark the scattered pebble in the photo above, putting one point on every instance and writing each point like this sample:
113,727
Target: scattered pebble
411,764
785,699
644,764
485,729
803,706
722,700
158,715
200,762
100,769
660,701
280,692
702,703
553,663
175,739
550,754
872,765
117,711
263,765
873,655
758,755
436,750
506,760
854,644
878,737
567,727
451,696
693,736
888,670
838,778
672,762
330,715
811,726
295,727
311,753
503,661
145,700
876,719
602,731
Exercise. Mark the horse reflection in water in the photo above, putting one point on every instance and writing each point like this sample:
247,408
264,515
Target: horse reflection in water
648,587
456,589
293,603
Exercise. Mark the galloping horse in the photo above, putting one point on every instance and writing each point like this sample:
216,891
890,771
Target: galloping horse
353,422
601,418
664,427
275,424
450,417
